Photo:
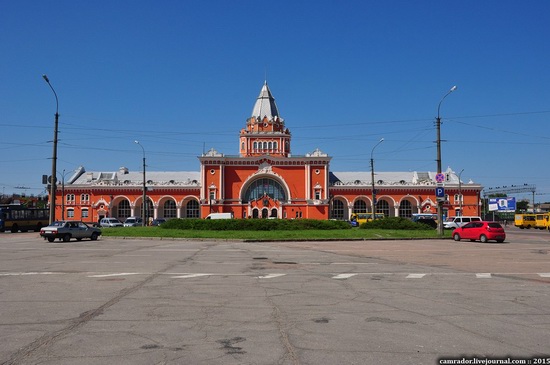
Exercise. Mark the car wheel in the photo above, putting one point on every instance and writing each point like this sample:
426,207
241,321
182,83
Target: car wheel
79,239
483,238
93,237
456,237
66,238
14,228
51,239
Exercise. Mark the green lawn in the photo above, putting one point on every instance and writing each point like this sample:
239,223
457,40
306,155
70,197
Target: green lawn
290,235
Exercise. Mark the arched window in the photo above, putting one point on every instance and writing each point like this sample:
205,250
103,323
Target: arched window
170,209
264,186
255,145
360,206
123,210
270,145
337,209
405,209
265,145
274,145
192,209
383,207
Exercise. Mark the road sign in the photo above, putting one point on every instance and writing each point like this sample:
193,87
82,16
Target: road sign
440,192
440,177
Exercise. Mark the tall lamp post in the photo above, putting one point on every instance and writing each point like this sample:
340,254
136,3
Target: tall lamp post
460,190
54,156
372,179
438,127
144,202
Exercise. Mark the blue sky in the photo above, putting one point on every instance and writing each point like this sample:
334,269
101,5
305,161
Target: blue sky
182,77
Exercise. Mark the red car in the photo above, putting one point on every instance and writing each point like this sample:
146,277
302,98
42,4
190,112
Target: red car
482,231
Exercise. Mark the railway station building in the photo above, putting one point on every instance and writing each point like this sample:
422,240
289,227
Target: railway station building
264,180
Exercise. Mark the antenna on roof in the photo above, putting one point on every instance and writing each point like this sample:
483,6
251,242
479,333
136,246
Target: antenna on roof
265,75
203,143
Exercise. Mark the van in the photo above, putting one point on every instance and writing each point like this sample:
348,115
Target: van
219,216
361,218
525,221
455,222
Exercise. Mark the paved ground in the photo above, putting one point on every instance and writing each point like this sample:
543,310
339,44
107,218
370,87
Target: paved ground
118,301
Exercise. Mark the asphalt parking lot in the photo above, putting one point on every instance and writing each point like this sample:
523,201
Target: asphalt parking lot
142,301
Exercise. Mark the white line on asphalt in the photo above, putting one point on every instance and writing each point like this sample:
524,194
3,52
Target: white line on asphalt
189,276
343,276
117,274
544,274
484,275
270,276
29,273
415,276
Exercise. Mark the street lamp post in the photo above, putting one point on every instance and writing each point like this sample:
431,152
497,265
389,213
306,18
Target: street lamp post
54,156
438,127
460,190
144,202
372,179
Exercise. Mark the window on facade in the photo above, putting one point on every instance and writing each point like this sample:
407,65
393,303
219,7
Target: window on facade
192,209
383,207
405,209
70,213
360,206
458,198
270,145
84,213
70,197
123,210
265,186
255,145
170,209
84,197
317,194
212,195
274,145
337,209
242,146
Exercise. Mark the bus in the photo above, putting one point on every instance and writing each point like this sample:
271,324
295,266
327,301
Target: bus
525,221
17,218
542,220
361,218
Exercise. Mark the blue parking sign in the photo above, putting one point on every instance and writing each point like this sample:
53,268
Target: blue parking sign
440,192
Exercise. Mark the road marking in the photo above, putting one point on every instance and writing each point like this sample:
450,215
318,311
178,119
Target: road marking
189,276
544,275
270,276
415,276
343,276
109,275
29,273
484,275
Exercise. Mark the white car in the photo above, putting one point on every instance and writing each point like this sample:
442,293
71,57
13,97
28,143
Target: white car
110,222
133,222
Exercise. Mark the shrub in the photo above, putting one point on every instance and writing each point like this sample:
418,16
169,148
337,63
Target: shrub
254,224
395,223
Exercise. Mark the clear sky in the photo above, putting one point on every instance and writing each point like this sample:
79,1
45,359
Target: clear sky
182,77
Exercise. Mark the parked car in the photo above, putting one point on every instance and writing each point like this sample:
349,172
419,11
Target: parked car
110,222
66,230
482,231
158,221
133,222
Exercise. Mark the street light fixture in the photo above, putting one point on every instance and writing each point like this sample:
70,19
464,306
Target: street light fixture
372,179
144,202
438,127
460,190
54,156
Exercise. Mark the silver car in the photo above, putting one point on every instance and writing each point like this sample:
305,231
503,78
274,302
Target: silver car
65,230
110,222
